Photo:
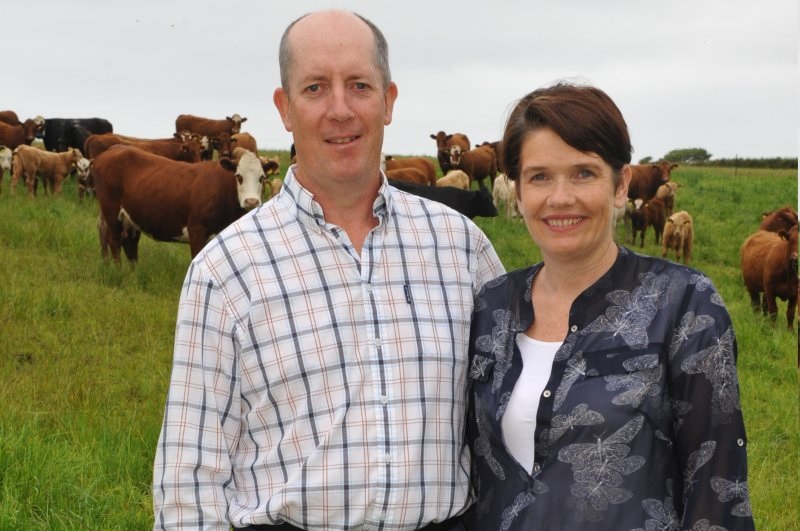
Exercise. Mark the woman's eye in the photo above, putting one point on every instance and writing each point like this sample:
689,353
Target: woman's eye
585,174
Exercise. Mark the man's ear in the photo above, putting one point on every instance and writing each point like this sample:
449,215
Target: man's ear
389,98
281,100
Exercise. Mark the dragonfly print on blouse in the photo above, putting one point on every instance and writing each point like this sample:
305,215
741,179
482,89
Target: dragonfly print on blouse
733,490
598,469
642,381
632,311
717,364
499,345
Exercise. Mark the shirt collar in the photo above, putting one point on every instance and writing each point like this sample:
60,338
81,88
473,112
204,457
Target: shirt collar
310,213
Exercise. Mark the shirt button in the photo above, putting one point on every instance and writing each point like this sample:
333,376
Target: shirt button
382,516
387,458
573,328
384,399
546,393
740,442
537,467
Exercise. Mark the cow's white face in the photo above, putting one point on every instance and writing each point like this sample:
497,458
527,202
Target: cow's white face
82,166
249,180
455,155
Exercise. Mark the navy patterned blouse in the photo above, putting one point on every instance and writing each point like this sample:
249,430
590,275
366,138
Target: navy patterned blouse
639,427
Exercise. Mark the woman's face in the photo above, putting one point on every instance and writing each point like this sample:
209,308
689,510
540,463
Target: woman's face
566,197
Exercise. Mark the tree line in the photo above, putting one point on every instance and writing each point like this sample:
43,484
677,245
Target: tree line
701,157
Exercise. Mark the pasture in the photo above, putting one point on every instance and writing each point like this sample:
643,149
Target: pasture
85,352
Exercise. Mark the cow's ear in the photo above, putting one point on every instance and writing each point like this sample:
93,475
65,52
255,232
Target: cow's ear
433,136
227,163
243,120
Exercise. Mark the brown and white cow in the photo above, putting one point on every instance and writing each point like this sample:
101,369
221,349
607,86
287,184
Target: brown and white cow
83,174
207,126
5,161
32,163
217,132
443,144
769,266
678,235
646,178
169,200
172,148
478,163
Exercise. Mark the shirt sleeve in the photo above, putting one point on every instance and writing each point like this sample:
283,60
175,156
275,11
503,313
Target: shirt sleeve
488,263
192,476
708,430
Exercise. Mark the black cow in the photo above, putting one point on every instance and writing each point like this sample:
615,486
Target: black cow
471,203
62,133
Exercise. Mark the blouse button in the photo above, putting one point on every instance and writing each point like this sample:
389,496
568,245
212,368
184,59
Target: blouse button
537,467
546,393
573,328
740,442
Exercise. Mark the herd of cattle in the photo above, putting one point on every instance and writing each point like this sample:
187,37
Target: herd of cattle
174,189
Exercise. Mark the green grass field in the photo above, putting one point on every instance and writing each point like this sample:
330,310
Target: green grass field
85,353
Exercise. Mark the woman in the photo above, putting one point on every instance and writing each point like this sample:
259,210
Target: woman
604,388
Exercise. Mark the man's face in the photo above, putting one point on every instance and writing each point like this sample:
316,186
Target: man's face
335,104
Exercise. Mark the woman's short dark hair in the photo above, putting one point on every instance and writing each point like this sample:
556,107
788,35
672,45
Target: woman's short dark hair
583,116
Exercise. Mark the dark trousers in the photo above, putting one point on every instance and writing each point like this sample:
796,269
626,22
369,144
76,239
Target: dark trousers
453,524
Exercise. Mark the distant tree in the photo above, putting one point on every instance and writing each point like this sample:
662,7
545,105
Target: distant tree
646,160
688,155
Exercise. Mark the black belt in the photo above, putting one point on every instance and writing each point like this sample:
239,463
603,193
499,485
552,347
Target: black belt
452,524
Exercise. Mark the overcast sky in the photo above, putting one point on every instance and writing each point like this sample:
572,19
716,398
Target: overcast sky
717,74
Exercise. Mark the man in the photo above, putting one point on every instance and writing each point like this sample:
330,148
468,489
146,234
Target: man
319,379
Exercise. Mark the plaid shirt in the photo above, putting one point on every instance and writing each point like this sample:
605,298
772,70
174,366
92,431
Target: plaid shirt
318,387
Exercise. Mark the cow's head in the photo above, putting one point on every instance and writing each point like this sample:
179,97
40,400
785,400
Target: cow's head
236,122
249,179
190,151
663,169
483,203
790,236
29,128
455,156
39,121
441,139
222,144
74,155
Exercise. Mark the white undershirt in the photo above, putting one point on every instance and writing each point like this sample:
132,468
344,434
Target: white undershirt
519,420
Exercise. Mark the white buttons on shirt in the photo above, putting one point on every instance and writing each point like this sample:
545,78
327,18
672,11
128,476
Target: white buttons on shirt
384,399
537,467
382,516
573,328
387,458
740,442
546,393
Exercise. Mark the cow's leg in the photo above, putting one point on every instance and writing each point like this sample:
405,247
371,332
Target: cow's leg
110,232
770,304
130,244
791,305
198,237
